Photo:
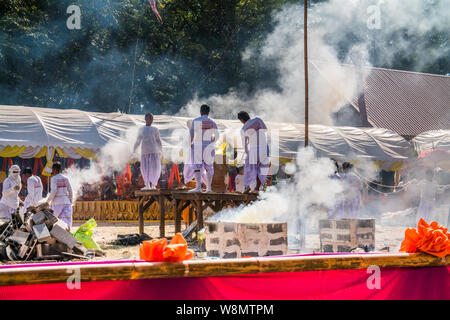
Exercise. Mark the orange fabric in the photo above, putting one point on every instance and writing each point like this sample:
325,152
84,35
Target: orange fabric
430,238
157,250
127,173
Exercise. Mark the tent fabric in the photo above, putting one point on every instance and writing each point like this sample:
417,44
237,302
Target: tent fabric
85,133
429,283
435,139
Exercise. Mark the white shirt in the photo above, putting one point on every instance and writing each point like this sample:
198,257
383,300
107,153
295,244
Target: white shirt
253,134
10,197
204,130
61,190
150,140
34,188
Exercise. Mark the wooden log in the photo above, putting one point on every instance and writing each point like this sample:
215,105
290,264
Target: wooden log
29,274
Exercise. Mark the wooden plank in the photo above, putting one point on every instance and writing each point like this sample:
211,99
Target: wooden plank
40,274
141,216
162,216
178,211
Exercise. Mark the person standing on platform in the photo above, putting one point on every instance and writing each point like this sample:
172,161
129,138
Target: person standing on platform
151,149
254,141
34,188
61,195
204,133
10,194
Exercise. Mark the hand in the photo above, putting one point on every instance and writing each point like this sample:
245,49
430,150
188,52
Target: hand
17,187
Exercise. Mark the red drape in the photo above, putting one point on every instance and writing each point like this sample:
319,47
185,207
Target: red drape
396,283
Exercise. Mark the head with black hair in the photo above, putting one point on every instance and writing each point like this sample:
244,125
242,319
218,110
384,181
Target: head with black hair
347,167
243,116
204,110
149,119
26,173
56,167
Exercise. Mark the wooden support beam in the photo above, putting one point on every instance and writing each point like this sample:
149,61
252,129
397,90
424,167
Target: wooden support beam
162,216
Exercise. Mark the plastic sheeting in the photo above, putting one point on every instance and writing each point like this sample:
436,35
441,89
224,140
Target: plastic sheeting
435,139
81,130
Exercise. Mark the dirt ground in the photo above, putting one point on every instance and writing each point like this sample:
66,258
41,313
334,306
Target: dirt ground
106,233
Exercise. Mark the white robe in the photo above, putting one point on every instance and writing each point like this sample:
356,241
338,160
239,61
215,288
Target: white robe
34,189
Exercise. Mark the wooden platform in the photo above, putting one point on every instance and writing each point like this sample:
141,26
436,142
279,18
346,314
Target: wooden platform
181,199
131,270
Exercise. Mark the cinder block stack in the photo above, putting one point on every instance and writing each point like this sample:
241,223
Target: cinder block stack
37,235
236,240
346,235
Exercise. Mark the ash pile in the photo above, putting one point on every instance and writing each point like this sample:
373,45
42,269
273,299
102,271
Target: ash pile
38,235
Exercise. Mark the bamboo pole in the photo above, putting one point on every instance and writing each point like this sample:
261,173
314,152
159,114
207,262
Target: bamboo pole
305,39
104,271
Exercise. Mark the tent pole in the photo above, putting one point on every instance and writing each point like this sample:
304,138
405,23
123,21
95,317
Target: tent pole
305,36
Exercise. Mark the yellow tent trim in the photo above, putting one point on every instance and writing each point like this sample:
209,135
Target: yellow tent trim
61,152
86,153
12,151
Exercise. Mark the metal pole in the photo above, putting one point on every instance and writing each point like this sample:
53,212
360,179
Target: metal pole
305,36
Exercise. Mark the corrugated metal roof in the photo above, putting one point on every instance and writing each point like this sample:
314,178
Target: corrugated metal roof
408,103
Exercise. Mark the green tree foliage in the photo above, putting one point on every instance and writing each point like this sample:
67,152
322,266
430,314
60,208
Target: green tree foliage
121,44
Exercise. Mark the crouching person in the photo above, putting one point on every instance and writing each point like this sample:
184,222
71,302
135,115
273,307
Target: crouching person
61,195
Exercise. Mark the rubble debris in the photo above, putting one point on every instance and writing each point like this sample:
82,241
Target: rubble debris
131,239
38,235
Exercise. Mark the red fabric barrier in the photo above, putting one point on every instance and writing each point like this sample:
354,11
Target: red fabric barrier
396,283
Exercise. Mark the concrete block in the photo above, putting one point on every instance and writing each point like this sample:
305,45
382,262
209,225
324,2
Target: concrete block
347,234
39,217
20,237
235,240
41,232
63,236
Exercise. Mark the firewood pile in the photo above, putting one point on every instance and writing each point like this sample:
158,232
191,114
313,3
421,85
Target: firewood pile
38,235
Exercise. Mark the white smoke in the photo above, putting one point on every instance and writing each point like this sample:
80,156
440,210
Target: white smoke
302,200
112,157
357,32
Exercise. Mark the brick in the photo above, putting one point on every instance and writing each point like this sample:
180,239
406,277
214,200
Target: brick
22,251
39,217
41,232
63,236
20,237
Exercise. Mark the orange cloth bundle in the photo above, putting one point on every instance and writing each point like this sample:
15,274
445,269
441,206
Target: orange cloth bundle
430,238
157,250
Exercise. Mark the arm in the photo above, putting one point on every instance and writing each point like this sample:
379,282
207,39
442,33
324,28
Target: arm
158,140
69,190
8,188
31,191
244,140
52,191
216,133
191,132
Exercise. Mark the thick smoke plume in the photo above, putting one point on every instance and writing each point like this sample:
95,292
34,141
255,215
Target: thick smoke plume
303,199
356,32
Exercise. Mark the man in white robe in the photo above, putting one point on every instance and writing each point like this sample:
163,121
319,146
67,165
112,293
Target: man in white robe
10,193
254,140
151,149
204,133
34,189
61,195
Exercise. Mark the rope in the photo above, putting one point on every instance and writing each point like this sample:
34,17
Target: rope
380,185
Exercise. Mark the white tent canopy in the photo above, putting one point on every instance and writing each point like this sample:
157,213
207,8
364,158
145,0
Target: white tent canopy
69,129
435,139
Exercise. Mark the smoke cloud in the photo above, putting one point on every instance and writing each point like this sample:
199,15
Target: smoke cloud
357,32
